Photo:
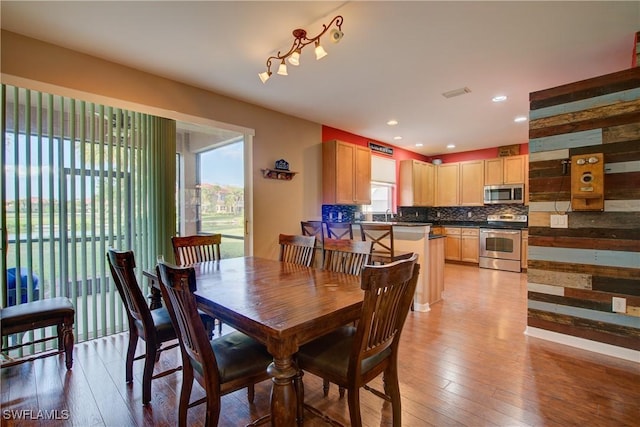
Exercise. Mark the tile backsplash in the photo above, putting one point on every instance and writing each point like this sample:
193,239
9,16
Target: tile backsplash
460,213
348,213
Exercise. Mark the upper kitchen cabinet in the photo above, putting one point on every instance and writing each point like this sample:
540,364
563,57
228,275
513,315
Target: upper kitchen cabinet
472,183
417,183
448,184
346,174
505,170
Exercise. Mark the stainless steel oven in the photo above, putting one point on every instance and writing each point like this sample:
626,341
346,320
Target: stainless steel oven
500,246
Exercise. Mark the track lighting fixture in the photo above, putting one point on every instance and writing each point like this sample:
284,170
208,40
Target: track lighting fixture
300,41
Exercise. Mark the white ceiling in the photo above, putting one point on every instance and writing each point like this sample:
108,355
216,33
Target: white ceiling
394,62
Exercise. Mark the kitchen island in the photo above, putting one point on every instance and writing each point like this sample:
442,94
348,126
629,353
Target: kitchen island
415,237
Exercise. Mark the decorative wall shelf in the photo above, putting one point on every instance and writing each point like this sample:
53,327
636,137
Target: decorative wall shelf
284,175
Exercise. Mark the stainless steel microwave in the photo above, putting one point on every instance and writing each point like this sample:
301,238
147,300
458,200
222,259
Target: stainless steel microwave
506,193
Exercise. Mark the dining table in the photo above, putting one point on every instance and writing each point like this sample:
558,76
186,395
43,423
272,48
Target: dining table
282,305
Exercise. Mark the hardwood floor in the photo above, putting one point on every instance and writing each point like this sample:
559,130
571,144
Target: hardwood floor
464,363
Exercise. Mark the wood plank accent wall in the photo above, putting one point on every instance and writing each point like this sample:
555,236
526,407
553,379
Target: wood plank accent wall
574,272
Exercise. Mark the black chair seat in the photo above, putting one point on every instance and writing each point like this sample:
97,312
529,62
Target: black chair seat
330,354
32,315
238,356
20,318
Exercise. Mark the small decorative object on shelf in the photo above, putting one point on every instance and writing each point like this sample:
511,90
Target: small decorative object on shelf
281,171
282,165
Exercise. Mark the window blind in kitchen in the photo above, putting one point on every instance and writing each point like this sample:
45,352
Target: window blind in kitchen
383,169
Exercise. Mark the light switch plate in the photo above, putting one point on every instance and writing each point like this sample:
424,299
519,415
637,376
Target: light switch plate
559,221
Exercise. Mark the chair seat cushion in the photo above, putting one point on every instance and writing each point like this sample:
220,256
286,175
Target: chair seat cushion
162,321
330,353
37,312
239,356
164,327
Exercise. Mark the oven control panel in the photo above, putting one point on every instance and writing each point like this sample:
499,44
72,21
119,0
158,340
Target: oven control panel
587,182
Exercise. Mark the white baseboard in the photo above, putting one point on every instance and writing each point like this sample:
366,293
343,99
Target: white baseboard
421,307
584,344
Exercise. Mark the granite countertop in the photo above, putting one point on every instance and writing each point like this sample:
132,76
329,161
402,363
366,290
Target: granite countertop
397,223
481,224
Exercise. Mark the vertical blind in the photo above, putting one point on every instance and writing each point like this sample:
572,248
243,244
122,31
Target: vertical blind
77,179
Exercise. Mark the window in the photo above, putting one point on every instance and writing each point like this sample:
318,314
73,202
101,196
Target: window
383,180
381,198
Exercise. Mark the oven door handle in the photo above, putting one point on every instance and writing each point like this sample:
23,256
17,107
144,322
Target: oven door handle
500,231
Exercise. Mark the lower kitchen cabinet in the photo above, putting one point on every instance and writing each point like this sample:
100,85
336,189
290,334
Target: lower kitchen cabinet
436,269
452,244
462,244
469,245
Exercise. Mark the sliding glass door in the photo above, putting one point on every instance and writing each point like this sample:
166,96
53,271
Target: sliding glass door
78,178
213,185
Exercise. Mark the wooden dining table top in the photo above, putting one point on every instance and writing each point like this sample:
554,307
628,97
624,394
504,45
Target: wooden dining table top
269,299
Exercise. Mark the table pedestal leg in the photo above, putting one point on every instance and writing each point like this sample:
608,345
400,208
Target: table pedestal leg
283,395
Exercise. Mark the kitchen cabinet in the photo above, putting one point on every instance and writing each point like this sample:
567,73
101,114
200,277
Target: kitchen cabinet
346,174
452,243
469,245
462,244
436,269
417,183
447,184
505,170
471,183
524,249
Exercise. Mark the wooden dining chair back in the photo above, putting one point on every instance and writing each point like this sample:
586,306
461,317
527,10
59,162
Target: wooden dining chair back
383,250
346,256
312,228
338,230
297,249
352,356
189,250
223,365
153,326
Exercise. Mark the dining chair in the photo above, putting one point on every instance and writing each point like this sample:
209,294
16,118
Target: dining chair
297,249
338,230
222,365
381,235
314,228
352,356
189,250
344,256
153,326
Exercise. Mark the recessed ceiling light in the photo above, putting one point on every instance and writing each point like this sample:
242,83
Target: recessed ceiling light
451,146
520,119
419,145
397,138
499,98
392,122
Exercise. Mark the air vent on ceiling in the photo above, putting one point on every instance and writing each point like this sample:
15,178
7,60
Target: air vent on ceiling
456,92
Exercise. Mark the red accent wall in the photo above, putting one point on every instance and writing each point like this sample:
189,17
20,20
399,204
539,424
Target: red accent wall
329,133
485,153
